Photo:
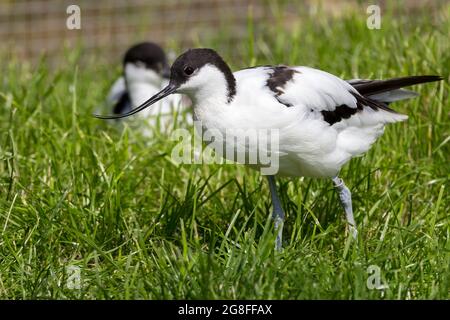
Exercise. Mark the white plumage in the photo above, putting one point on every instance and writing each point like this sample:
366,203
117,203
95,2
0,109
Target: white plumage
309,146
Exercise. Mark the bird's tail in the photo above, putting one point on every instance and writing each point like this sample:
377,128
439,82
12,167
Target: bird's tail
388,91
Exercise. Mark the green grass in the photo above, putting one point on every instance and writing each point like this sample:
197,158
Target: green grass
75,191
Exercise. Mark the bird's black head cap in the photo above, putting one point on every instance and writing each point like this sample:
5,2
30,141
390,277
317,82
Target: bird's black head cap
192,60
149,54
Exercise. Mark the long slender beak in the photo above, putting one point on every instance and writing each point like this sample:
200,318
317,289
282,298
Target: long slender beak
163,93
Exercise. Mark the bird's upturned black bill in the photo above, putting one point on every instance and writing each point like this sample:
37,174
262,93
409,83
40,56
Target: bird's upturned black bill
163,93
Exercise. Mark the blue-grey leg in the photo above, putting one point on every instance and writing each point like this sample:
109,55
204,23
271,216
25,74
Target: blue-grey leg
278,213
346,199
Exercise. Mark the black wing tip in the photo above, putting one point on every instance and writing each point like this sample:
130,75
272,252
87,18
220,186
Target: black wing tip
380,86
430,78
413,80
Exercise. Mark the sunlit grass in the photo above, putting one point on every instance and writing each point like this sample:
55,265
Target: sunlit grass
75,191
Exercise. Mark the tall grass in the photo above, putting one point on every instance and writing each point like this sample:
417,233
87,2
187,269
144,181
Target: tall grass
75,191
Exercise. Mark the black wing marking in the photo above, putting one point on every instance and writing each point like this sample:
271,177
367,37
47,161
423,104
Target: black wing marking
341,112
278,78
345,112
368,88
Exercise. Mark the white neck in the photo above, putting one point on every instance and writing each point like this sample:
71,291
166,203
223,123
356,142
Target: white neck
208,90
139,74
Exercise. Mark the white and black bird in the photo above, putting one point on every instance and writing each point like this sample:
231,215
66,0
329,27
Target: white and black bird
322,120
145,73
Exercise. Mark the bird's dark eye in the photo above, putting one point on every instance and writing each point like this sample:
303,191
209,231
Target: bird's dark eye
188,70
